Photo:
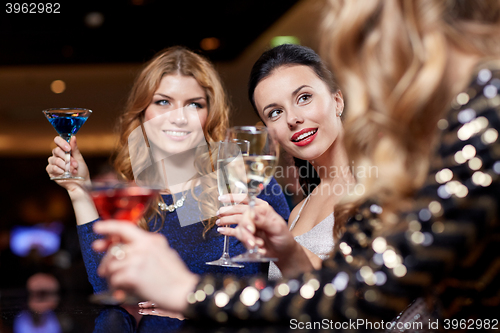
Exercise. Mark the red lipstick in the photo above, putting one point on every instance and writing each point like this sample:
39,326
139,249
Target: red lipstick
302,138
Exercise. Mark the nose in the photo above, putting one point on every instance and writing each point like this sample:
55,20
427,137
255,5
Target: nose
294,118
178,117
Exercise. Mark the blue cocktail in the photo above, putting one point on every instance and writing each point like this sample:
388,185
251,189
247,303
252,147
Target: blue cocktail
67,121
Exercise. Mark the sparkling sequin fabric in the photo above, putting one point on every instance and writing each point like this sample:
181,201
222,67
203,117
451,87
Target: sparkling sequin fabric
188,240
446,250
318,240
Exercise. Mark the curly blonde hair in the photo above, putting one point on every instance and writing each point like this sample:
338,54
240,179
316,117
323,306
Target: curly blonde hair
176,60
391,58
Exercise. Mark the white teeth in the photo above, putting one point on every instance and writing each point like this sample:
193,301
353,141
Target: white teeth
305,135
175,133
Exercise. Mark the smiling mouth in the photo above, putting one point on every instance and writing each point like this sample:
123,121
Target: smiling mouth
305,135
177,133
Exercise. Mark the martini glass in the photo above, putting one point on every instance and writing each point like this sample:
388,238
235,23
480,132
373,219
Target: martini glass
127,203
231,179
67,121
260,165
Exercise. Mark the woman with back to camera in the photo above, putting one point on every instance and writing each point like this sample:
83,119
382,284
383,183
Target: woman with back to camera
421,79
179,103
300,103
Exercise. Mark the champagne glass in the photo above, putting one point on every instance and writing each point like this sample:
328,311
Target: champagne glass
230,180
67,121
124,201
259,164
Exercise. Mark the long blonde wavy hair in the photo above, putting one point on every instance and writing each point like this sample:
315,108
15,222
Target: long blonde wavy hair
176,60
391,59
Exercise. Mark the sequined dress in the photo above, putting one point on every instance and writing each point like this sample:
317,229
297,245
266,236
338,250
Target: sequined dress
318,240
188,240
445,250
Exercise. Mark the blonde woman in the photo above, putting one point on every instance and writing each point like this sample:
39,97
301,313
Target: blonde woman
179,103
421,81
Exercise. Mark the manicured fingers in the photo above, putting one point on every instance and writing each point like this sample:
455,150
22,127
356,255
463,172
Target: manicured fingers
242,234
232,210
62,144
146,305
100,245
124,230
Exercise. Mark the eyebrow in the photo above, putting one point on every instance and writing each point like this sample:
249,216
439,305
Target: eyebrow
168,97
295,92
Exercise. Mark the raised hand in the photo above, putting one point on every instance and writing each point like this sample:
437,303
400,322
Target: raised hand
57,164
270,233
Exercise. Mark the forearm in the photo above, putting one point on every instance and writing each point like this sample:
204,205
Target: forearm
316,261
295,262
83,206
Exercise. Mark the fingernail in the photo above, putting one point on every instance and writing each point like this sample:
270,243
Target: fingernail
251,242
251,228
221,197
217,213
217,221
220,229
141,304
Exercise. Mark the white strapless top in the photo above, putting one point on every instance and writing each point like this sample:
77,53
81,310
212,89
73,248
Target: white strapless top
318,240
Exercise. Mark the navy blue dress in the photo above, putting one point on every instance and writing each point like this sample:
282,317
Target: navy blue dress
194,248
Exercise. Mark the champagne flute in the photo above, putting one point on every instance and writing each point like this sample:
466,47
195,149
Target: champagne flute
230,180
67,121
259,164
124,201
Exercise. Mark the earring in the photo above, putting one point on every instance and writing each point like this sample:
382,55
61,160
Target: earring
339,114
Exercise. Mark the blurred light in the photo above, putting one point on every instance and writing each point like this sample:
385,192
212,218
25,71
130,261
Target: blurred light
200,295
279,40
58,86
468,152
489,136
94,20
379,244
210,43
43,239
490,91
462,98
329,290
381,278
442,124
466,115
307,291
340,281
475,163
249,296
282,290
400,271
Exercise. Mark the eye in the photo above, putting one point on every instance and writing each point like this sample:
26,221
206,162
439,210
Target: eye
273,114
304,98
195,105
162,102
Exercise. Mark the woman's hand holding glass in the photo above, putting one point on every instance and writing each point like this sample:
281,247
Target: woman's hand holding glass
269,232
232,214
57,165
